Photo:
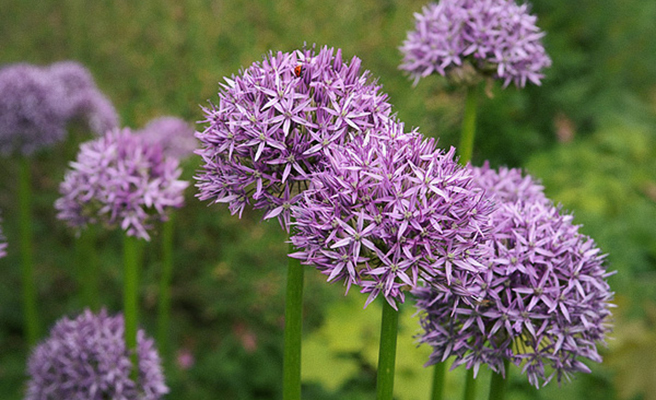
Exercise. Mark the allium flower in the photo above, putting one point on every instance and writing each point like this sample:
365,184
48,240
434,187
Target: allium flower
118,179
544,302
37,102
174,135
274,122
391,210
3,244
85,359
463,38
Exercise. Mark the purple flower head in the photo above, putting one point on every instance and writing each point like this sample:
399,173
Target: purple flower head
174,135
3,243
37,102
390,210
275,122
461,39
80,97
119,179
85,359
544,302
508,185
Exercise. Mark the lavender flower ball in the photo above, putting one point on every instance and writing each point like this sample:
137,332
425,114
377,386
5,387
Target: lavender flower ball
85,359
174,135
3,243
462,39
274,123
391,210
545,300
36,103
119,179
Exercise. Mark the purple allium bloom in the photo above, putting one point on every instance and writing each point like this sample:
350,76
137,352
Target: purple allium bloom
85,359
274,123
457,38
3,243
544,301
119,179
390,210
37,102
174,135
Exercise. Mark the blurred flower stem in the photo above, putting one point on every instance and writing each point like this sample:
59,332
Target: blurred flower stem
164,306
439,381
291,386
498,383
466,148
26,247
387,352
130,298
87,267
470,385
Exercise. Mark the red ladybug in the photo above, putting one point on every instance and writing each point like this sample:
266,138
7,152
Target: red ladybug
298,70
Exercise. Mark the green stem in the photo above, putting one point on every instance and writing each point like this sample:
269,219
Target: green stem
130,298
466,147
291,387
470,385
439,381
87,267
387,352
498,383
164,307
29,289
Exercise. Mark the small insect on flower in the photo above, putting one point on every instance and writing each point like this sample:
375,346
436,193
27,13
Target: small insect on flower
298,70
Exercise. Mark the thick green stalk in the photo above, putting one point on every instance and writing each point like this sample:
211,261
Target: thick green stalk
130,298
466,147
30,313
498,383
291,387
87,267
387,352
470,385
439,381
164,306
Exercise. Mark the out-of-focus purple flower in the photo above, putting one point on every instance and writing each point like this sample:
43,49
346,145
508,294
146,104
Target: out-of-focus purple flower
86,358
174,135
463,38
390,210
545,300
3,243
37,102
274,123
118,179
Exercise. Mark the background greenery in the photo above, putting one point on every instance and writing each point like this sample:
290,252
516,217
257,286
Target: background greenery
589,132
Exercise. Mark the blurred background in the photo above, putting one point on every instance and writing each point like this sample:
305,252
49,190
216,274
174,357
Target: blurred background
589,133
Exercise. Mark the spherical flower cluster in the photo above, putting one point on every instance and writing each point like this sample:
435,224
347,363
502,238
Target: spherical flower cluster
119,179
274,123
464,38
391,210
85,358
544,302
37,102
3,244
174,135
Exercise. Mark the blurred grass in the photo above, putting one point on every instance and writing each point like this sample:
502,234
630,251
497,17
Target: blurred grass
154,58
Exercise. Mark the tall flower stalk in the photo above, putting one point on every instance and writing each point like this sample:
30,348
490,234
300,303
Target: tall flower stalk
30,311
121,180
176,138
270,132
36,103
